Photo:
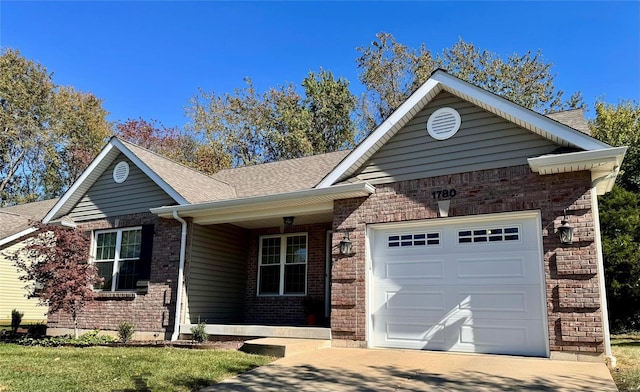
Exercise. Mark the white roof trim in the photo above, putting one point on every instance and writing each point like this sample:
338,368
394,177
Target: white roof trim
604,165
304,201
113,143
16,236
494,103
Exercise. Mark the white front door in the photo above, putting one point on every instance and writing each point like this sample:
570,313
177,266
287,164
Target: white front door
468,285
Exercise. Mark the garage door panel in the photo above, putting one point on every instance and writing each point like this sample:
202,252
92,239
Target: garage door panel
460,296
414,269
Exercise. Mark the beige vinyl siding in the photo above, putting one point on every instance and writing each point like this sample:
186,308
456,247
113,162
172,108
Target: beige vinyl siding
13,295
484,141
107,198
217,274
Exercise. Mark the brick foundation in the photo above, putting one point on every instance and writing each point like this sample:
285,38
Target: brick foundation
573,296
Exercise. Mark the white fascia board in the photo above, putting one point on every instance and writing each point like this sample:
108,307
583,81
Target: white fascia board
150,173
260,203
16,236
79,182
561,131
554,163
370,141
603,164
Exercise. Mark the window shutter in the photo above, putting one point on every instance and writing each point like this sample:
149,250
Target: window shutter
146,250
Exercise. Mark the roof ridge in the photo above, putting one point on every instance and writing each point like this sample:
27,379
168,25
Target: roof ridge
9,213
285,160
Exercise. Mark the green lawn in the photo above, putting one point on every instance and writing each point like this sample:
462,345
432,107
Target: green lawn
626,349
118,368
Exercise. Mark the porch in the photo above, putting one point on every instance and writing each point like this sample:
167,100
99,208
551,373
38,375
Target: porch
263,331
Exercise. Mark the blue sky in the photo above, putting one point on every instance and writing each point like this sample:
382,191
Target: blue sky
146,59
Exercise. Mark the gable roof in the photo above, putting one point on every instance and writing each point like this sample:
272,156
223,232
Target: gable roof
439,81
15,221
182,184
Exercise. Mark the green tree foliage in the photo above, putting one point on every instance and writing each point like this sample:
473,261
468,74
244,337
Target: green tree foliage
48,133
391,71
619,125
278,124
620,229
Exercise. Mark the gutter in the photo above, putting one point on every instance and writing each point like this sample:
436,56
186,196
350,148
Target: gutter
183,247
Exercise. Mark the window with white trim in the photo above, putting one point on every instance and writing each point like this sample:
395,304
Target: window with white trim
282,265
117,256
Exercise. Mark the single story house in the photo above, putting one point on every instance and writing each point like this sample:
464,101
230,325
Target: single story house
15,231
439,231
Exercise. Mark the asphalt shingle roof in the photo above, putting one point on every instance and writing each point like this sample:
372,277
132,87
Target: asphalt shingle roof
14,219
192,185
573,118
282,176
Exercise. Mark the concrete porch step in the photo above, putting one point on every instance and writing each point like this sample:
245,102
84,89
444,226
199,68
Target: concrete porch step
283,347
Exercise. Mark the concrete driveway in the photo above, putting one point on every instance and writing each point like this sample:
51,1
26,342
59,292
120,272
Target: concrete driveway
346,369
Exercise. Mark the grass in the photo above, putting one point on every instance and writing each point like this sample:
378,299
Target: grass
123,369
626,349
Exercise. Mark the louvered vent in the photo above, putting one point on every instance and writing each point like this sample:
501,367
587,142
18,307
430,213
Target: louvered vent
121,172
443,123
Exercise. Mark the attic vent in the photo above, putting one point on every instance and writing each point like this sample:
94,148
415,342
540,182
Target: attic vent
443,123
121,172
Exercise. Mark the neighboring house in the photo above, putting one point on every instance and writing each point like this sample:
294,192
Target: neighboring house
452,207
15,230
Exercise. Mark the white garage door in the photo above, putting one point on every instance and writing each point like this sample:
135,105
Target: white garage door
468,285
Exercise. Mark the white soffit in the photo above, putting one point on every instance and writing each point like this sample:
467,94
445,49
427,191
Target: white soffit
604,165
440,80
305,202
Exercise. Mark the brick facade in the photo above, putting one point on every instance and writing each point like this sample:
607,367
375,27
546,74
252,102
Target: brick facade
573,296
286,310
152,312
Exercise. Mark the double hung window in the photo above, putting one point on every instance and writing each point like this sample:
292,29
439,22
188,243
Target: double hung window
117,256
282,265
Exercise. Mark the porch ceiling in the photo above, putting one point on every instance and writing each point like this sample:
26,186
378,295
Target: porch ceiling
307,206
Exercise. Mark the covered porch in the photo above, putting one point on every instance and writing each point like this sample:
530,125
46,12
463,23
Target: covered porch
249,272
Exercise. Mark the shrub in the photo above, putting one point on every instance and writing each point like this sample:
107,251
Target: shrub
16,319
37,330
198,332
126,331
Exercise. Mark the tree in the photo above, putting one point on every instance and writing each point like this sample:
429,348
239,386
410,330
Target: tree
279,123
391,72
173,144
620,229
48,133
56,262
26,97
619,125
331,105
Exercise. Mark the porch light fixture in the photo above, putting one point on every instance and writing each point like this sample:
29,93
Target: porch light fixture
346,247
288,220
565,232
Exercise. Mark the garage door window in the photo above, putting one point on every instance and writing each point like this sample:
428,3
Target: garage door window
415,239
496,234
283,265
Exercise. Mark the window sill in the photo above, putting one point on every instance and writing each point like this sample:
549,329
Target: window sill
115,295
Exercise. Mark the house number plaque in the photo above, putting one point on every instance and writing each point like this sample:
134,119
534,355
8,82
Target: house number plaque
443,194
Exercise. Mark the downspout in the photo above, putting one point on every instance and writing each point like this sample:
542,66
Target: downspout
183,247
611,360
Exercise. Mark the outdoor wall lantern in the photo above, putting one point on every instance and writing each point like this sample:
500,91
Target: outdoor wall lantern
288,220
565,232
346,247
